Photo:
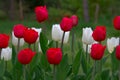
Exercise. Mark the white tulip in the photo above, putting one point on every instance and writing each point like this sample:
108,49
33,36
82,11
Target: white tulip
39,30
57,34
66,37
6,53
112,43
39,48
15,40
87,36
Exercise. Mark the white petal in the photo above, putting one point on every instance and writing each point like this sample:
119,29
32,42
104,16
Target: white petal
15,40
6,53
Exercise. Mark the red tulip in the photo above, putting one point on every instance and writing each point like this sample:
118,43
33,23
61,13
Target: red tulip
54,55
99,34
97,51
4,40
66,24
74,20
118,52
116,22
30,36
41,13
25,56
19,30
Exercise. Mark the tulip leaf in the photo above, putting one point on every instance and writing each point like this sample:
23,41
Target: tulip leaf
63,68
2,67
13,55
8,75
76,63
44,63
79,77
105,74
43,43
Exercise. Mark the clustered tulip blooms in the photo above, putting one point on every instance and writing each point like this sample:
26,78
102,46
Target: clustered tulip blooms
99,34
41,13
97,51
54,55
25,56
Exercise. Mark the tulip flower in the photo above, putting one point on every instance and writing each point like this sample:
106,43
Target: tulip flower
66,24
4,40
39,30
19,30
15,40
87,36
30,36
116,22
25,56
54,55
118,52
6,53
112,43
74,20
57,34
97,51
99,34
41,13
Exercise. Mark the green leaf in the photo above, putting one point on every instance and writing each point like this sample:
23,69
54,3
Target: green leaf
8,75
43,43
44,63
2,68
105,74
76,63
63,68
13,55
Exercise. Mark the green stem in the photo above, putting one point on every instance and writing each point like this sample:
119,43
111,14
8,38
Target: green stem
24,72
94,71
87,54
5,65
56,44
29,46
35,46
18,46
62,40
72,45
0,52
54,72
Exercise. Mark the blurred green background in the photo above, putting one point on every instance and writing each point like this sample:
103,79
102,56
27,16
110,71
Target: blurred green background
90,13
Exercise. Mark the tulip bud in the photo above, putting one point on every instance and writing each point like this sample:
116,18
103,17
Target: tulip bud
19,30
87,36
116,22
15,40
118,52
99,34
6,53
57,34
39,30
74,20
30,36
66,24
41,13
25,56
54,55
97,51
112,43
4,40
